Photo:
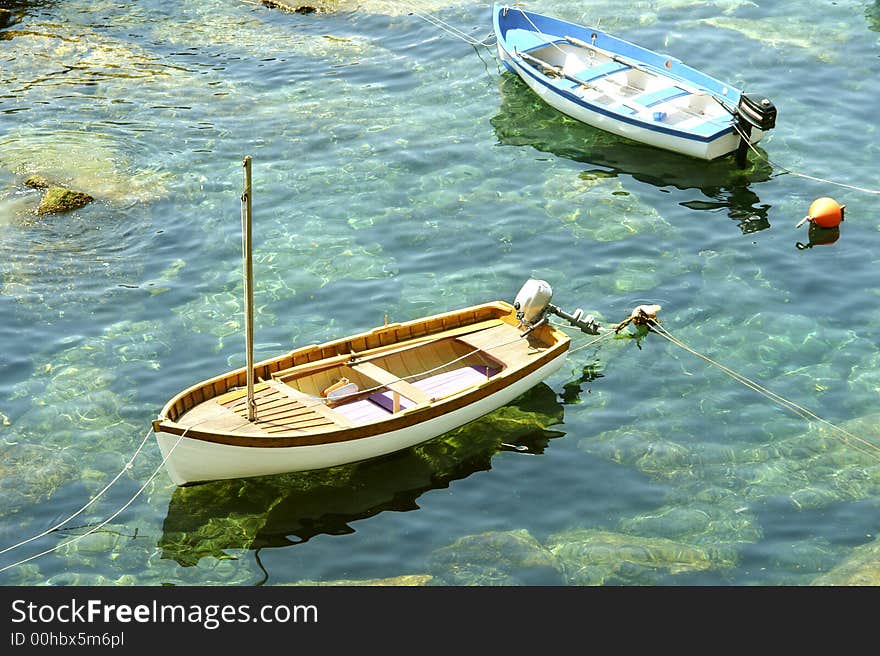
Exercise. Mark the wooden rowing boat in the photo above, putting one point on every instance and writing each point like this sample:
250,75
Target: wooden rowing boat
622,88
406,383
361,396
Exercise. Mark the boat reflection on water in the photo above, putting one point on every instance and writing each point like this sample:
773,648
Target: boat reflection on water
525,120
286,509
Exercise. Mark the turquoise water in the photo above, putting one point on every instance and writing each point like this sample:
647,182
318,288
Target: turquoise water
398,171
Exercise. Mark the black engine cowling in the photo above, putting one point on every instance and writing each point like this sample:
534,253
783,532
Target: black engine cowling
757,111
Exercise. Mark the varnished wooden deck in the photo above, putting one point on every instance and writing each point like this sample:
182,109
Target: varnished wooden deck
280,408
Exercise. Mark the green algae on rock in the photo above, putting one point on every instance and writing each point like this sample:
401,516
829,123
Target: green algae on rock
59,199
30,474
293,7
38,181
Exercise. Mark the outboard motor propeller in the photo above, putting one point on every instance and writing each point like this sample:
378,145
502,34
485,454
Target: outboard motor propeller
752,111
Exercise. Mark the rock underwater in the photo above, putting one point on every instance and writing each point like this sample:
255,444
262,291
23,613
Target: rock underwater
59,199
861,568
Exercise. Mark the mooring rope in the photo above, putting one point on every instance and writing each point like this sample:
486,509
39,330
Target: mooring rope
788,171
537,29
128,466
488,42
604,335
111,517
452,30
867,448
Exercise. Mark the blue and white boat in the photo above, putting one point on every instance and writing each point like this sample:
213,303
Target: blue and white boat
617,86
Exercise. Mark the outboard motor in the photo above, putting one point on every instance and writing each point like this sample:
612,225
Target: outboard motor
752,111
532,305
757,110
531,302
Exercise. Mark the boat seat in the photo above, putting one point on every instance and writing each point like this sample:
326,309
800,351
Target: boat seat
392,382
362,412
438,385
624,108
528,40
316,405
602,70
451,382
660,96
704,127
380,405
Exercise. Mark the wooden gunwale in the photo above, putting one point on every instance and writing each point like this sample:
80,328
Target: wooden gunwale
395,422
336,352
382,351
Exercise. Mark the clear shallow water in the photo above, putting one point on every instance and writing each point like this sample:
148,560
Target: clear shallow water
398,171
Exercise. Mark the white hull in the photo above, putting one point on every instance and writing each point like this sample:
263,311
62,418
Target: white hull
191,460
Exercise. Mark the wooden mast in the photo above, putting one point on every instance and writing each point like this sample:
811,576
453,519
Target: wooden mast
246,233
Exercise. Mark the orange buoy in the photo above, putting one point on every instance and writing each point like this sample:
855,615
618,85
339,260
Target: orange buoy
825,213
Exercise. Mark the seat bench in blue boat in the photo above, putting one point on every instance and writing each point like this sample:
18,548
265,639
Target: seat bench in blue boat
602,70
660,96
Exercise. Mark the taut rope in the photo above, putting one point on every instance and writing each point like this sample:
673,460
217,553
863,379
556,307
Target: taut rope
98,527
57,526
800,175
859,444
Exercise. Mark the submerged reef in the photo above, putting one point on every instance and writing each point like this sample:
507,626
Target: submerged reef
862,567
402,580
597,557
496,558
576,557
31,473
814,469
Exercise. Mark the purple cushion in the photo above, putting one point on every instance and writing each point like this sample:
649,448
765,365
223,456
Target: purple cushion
385,400
379,405
450,382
